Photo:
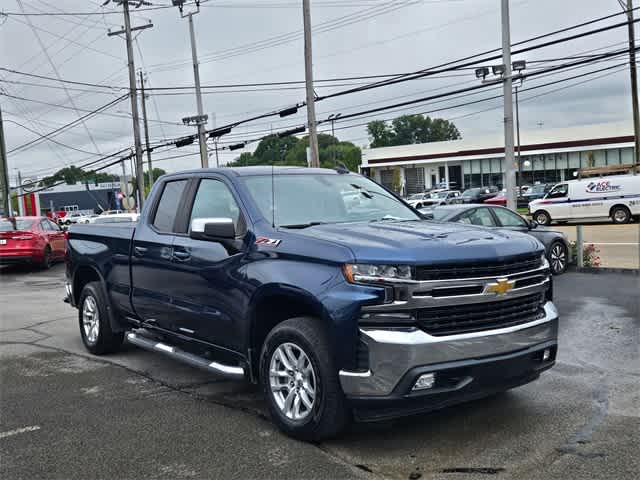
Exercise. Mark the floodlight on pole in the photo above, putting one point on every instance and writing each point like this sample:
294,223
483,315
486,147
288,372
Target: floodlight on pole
482,72
498,70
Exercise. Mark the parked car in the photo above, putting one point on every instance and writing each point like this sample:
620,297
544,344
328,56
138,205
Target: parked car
34,240
478,195
445,197
556,244
112,212
417,199
534,192
616,197
86,218
499,199
266,274
115,218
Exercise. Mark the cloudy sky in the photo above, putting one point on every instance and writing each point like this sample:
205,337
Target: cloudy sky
260,41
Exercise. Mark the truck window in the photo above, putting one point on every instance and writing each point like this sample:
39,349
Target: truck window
214,200
559,191
168,205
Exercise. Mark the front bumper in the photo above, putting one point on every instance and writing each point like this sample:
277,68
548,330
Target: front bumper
482,360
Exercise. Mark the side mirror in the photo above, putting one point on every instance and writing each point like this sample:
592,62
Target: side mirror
212,229
533,224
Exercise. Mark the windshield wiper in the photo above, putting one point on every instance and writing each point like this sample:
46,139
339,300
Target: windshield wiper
300,226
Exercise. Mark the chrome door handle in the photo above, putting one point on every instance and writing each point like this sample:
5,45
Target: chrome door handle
181,255
139,251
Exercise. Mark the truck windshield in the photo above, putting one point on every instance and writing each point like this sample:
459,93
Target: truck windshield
303,200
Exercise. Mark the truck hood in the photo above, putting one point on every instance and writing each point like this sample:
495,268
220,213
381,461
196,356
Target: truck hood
424,242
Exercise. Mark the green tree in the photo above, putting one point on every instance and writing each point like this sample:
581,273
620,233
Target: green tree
73,174
410,129
293,151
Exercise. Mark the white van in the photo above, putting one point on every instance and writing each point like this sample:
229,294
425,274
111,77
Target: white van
616,197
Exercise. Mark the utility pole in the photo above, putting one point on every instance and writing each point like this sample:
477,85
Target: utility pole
202,120
308,70
133,94
199,120
510,167
5,191
634,80
146,129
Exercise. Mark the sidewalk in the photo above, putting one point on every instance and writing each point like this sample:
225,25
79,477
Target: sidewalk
618,244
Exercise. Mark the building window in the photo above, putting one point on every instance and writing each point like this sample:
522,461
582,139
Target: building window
626,155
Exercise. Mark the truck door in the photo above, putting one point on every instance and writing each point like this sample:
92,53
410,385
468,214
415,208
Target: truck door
208,295
559,207
152,275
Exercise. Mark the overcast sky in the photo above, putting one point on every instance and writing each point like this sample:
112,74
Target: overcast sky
362,37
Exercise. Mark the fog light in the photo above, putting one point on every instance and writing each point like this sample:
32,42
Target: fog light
426,380
546,354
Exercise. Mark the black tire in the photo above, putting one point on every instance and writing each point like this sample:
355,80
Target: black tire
542,217
558,257
419,205
328,414
620,215
46,262
105,340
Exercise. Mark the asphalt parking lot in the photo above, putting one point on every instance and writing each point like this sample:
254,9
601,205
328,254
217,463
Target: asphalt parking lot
66,414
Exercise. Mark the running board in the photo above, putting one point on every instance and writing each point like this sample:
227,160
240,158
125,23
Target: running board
173,352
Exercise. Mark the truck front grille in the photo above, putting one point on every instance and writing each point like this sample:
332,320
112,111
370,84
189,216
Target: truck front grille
479,269
458,319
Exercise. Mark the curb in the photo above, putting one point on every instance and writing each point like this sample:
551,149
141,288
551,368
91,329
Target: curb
597,270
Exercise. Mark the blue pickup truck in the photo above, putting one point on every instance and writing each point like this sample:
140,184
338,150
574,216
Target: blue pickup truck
340,300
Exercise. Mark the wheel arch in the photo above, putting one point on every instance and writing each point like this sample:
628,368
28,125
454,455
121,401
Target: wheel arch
272,305
86,274
619,205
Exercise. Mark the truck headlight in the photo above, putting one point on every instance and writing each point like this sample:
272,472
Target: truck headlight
543,260
370,273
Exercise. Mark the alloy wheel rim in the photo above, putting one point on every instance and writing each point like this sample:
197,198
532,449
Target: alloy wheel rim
90,319
542,218
558,258
620,215
292,381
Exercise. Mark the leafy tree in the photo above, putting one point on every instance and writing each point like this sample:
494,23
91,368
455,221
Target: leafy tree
410,129
293,151
73,174
157,173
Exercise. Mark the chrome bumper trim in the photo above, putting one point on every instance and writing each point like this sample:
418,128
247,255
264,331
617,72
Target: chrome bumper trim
392,353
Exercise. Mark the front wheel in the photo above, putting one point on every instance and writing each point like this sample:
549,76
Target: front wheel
300,381
558,258
93,319
620,215
542,217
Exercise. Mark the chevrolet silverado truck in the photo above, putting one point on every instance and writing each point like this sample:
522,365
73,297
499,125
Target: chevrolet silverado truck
325,288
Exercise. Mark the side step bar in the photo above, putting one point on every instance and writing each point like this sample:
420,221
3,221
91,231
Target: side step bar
173,352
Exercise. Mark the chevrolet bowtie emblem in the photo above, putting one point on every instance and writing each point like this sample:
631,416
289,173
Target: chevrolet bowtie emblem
501,286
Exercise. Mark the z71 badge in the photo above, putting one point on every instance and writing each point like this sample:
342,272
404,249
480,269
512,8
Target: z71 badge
268,242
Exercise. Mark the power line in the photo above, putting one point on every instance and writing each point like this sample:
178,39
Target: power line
75,14
66,126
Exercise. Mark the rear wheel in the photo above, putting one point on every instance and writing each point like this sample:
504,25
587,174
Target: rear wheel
45,264
558,258
300,381
542,217
620,214
93,319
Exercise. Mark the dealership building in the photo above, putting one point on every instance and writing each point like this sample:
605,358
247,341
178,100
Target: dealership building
546,156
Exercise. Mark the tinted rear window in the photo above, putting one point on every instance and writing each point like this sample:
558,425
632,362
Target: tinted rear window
7,226
168,205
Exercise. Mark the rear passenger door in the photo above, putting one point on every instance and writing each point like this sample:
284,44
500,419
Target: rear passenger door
154,279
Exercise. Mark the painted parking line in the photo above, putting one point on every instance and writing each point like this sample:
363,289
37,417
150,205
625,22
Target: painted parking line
18,431
635,244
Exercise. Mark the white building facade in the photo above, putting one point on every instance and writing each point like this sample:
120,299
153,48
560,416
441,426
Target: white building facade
546,156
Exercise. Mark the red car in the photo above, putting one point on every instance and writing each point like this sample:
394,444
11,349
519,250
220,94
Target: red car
500,199
35,240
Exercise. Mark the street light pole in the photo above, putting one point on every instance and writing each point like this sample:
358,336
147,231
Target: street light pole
308,69
5,191
510,169
146,129
332,118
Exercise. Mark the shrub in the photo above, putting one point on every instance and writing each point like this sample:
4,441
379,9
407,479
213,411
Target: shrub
590,254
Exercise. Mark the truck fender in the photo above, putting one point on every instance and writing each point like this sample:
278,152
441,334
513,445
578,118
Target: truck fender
95,275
